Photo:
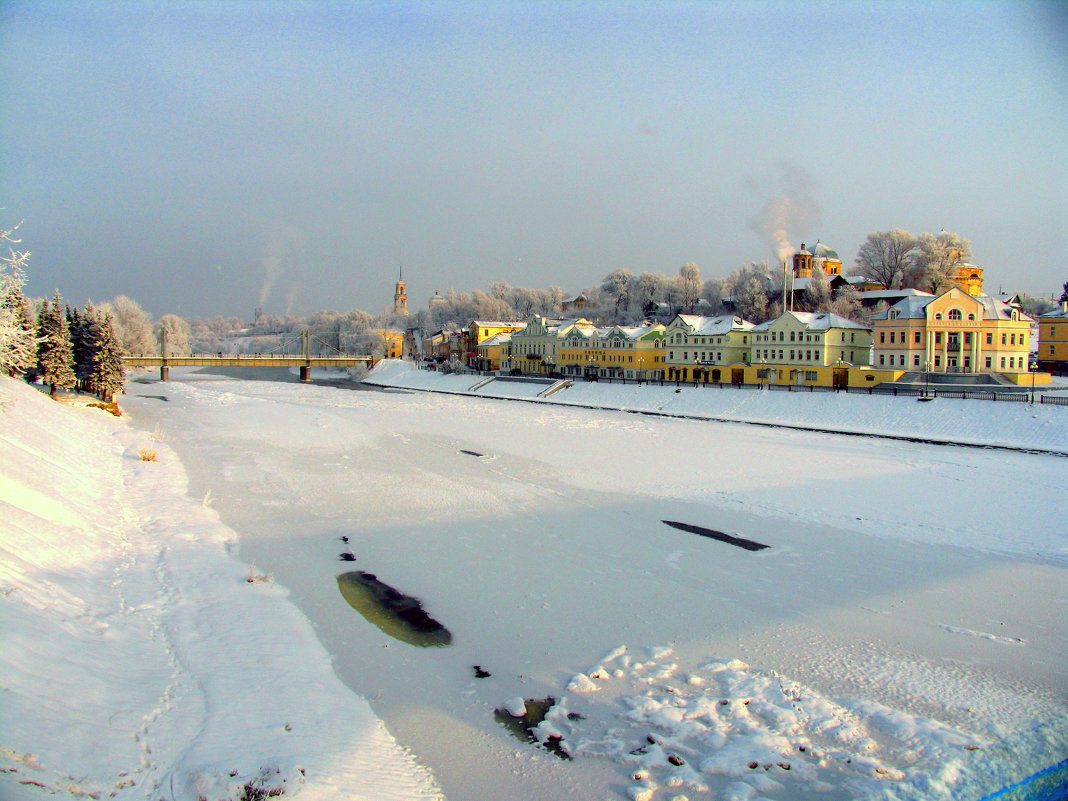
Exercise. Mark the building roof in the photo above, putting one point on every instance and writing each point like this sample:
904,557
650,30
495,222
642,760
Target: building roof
712,326
914,307
814,321
821,251
1056,314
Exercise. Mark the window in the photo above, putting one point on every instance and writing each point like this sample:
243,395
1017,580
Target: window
938,316
967,337
892,337
916,360
881,359
954,314
1003,362
811,375
1012,339
989,339
916,338
938,361
938,337
988,362
1050,350
1004,340
882,337
971,316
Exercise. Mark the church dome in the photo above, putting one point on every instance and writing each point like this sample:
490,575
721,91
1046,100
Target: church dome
821,251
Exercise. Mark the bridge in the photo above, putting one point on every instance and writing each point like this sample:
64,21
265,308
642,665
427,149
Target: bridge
304,360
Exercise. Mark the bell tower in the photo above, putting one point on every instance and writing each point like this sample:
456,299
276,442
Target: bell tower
400,296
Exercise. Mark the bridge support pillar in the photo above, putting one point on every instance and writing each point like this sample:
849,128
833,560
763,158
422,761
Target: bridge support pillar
164,373
305,372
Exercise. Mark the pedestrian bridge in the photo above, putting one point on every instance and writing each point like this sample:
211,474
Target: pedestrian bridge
305,363
304,360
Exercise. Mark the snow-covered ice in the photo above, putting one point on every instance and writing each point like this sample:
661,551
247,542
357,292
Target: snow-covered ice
904,636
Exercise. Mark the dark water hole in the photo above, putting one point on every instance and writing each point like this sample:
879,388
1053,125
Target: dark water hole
398,615
523,728
712,534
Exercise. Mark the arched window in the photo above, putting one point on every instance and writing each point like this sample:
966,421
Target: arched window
954,314
938,316
971,316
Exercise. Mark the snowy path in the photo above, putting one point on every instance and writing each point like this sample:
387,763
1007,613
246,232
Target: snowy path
903,584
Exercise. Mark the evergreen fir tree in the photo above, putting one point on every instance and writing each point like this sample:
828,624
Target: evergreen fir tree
55,359
18,345
86,342
109,376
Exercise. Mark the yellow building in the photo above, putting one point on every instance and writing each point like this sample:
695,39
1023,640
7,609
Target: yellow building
954,332
703,349
820,256
1053,341
635,352
478,331
804,341
491,351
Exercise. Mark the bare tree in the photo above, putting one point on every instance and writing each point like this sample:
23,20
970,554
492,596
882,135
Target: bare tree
132,326
934,265
690,286
886,256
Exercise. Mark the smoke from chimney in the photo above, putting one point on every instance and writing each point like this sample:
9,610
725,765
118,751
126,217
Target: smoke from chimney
793,208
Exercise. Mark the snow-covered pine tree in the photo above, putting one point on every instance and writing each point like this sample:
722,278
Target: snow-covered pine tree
55,359
86,343
18,347
109,376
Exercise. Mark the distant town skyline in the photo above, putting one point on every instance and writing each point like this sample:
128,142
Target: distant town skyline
218,157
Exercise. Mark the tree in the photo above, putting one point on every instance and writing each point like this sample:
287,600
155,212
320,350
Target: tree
750,300
935,262
132,326
847,303
818,291
85,341
55,359
175,331
108,376
1064,293
690,286
617,284
18,346
886,256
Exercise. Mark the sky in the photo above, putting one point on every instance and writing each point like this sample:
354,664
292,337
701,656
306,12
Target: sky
213,158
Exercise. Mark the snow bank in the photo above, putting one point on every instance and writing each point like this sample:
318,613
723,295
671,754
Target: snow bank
973,422
140,659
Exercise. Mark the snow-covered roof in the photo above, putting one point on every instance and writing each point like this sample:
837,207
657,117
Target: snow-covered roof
497,339
711,326
914,307
1056,314
815,321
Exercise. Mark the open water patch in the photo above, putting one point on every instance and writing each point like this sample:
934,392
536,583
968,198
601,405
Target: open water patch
524,727
712,534
398,615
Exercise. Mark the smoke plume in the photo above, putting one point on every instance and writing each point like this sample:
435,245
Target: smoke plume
792,208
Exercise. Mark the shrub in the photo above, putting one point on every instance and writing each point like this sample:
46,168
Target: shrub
147,454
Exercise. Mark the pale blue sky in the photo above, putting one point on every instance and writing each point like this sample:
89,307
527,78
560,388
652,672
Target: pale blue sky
215,157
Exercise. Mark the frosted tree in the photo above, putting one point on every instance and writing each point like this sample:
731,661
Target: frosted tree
818,291
935,262
886,257
55,359
617,284
847,303
751,300
690,286
108,376
18,345
175,331
132,326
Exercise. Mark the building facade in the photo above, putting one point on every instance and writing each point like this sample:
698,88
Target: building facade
955,332
1053,341
634,352
704,349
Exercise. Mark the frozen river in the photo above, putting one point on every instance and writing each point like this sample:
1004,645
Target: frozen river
911,607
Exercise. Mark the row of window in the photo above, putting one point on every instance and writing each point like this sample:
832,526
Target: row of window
917,339
1013,362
